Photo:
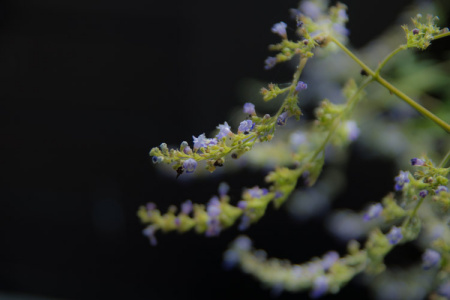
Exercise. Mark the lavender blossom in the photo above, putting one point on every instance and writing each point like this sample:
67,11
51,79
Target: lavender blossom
395,235
150,233
430,258
423,193
310,9
242,243
282,119
242,204
223,189
270,62
301,86
280,29
200,142
189,165
246,126
186,207
213,207
374,211
230,259
249,108
400,180
441,188
320,287
224,130
257,192
352,130
417,162
245,223
329,259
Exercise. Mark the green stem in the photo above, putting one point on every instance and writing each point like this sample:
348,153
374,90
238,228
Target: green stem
350,105
301,65
426,113
387,58
442,35
445,160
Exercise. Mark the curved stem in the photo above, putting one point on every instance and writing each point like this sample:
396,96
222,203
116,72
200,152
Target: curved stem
350,104
387,58
445,160
425,112
442,35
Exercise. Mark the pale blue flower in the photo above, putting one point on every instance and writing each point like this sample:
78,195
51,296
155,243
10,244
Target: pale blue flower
189,165
280,29
430,258
270,62
395,235
249,108
374,211
246,126
400,180
301,86
224,130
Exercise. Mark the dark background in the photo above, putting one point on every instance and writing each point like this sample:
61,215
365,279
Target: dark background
86,89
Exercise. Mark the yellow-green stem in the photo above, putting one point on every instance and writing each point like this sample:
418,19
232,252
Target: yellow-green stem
425,112
350,105
445,160
387,58
439,36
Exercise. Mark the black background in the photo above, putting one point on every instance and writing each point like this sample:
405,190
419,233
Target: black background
86,89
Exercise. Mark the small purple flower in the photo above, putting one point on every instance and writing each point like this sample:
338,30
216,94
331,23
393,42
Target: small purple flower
223,189
278,194
211,142
157,159
270,62
423,193
310,9
301,86
320,287
249,108
245,223
224,130
352,130
395,235
374,211
150,233
441,188
342,14
415,31
430,258
213,207
400,180
185,148
444,290
200,142
242,204
230,259
329,259
257,192
282,119
280,29
214,227
417,162
242,243
189,165
246,126
186,207
151,206
341,29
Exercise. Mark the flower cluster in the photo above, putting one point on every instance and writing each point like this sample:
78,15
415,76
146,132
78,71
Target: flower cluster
322,275
420,198
423,33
